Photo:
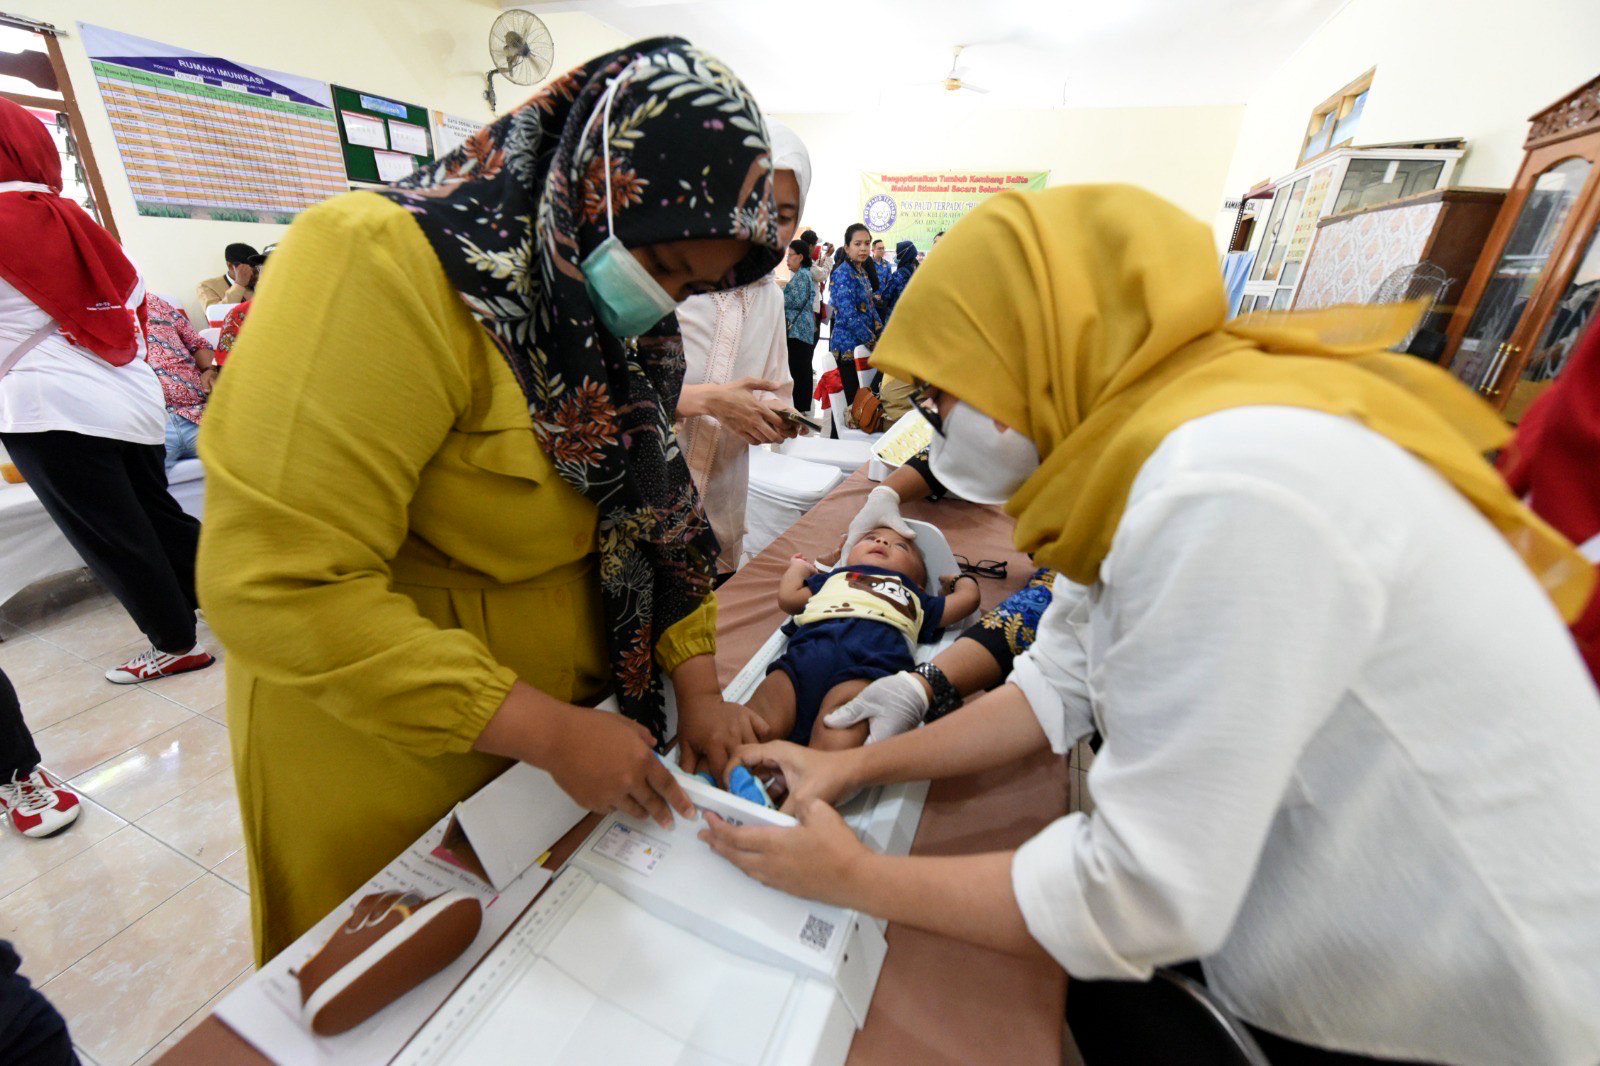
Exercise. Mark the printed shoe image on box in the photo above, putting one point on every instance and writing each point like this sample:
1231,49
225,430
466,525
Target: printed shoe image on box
393,942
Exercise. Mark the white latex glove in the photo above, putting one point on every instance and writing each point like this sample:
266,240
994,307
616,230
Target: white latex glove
881,509
892,705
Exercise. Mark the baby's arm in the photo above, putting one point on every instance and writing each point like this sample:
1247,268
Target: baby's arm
962,596
792,592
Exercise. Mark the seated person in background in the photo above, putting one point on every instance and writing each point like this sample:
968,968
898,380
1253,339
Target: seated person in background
237,283
183,363
234,322
853,626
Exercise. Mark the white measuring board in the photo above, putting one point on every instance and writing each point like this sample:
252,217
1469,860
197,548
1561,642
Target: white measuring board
589,977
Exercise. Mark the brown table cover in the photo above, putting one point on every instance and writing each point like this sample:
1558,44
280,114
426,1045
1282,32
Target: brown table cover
938,1000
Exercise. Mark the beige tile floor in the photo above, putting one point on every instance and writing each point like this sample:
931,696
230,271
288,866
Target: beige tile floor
105,913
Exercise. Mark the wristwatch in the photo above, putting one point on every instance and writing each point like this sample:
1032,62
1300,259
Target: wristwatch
945,696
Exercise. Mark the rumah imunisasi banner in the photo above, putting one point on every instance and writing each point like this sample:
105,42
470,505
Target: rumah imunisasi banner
914,205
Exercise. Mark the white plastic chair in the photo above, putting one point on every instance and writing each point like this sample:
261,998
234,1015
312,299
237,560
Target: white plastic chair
217,312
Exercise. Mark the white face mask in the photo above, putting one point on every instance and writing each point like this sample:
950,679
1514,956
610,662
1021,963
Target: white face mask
979,462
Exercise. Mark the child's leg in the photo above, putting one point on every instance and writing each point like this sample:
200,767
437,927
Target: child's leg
774,701
826,738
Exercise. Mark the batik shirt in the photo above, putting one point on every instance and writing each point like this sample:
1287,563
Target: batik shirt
171,343
855,315
798,296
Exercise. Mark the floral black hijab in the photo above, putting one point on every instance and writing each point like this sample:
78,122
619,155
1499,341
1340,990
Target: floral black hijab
511,215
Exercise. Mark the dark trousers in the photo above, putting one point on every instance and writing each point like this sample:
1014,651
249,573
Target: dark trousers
800,371
31,1030
1117,1022
846,361
18,756
109,498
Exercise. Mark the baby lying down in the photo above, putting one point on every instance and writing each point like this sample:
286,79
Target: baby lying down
861,622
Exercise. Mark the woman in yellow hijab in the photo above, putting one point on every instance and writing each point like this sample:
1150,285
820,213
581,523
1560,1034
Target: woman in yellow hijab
1349,751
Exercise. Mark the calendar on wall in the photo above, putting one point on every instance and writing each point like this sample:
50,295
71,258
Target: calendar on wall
210,138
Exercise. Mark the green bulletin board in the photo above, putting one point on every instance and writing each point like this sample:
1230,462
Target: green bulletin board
383,139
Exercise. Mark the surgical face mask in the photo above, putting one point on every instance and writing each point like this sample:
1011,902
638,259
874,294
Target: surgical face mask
626,299
978,461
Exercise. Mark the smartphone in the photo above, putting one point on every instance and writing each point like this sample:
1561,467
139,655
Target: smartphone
795,418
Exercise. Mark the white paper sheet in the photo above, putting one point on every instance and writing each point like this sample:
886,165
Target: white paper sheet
364,130
392,166
451,131
266,1010
404,137
514,819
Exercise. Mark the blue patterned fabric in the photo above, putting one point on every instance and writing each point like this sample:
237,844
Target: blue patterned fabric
855,314
884,269
1017,619
905,254
798,296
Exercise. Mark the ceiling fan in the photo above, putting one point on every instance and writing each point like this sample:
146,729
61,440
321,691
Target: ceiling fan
953,81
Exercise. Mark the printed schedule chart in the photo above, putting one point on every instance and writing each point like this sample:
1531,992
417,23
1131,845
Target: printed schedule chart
201,137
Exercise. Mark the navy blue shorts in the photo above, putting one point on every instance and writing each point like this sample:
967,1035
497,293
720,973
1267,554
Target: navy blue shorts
824,654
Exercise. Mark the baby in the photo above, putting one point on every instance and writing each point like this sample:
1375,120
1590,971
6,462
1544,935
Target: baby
861,622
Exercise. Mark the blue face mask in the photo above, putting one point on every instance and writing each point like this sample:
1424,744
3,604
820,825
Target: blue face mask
626,299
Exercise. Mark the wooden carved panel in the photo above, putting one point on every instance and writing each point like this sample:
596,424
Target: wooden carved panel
1576,113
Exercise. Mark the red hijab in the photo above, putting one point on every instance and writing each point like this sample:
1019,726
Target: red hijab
54,253
1554,461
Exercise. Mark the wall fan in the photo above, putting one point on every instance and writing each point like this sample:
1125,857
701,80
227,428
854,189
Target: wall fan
521,49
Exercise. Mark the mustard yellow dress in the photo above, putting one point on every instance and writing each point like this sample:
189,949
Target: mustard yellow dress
385,550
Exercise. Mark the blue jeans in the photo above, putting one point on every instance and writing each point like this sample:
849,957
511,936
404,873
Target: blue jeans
181,437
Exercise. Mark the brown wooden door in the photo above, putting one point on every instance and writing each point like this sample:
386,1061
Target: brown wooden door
1535,247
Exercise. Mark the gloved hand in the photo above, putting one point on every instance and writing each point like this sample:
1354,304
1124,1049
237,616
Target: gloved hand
881,509
891,704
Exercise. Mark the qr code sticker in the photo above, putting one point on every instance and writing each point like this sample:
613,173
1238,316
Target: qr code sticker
816,933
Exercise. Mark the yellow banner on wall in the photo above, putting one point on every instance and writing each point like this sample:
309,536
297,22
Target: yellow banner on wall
915,205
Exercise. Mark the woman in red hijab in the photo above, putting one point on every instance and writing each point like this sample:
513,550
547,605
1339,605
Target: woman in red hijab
81,412
1554,463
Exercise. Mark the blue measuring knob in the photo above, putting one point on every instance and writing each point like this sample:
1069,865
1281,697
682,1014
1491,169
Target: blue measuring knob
741,783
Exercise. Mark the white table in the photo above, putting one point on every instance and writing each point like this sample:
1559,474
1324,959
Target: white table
32,547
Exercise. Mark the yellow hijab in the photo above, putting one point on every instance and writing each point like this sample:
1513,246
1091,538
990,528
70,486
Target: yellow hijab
1092,319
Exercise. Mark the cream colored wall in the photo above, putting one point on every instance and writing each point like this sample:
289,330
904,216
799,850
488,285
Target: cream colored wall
1180,152
427,52
1469,68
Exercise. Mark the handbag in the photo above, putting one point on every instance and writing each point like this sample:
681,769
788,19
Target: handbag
866,411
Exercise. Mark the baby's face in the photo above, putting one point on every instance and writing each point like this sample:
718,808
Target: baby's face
888,549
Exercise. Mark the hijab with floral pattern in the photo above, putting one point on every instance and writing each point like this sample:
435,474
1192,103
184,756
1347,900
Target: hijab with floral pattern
511,215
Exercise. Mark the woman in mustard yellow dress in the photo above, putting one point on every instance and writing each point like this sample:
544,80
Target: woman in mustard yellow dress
446,509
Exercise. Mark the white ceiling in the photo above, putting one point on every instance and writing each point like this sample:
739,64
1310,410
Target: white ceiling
851,55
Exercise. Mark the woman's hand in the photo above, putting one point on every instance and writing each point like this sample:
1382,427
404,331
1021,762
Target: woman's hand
602,760
606,762
711,730
892,705
809,774
819,859
737,407
882,509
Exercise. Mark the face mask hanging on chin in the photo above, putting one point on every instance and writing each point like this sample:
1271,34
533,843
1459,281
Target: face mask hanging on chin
626,299
979,462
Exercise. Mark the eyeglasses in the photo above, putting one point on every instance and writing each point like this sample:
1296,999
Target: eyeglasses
983,567
922,399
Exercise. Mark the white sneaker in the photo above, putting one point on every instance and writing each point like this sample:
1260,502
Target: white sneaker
153,663
39,804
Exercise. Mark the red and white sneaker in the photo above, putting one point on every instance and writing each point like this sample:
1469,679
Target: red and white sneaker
154,663
39,804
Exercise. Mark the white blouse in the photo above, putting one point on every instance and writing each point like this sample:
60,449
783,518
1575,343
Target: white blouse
729,335
1351,758
60,386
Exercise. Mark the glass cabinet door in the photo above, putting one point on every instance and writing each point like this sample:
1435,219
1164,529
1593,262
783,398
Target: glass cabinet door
1572,314
1483,350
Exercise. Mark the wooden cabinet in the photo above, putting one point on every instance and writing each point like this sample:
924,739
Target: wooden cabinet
1538,282
1356,250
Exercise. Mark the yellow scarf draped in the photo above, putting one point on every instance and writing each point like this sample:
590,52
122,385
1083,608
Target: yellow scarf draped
1092,319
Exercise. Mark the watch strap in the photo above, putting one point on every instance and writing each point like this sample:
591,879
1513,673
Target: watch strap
945,696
